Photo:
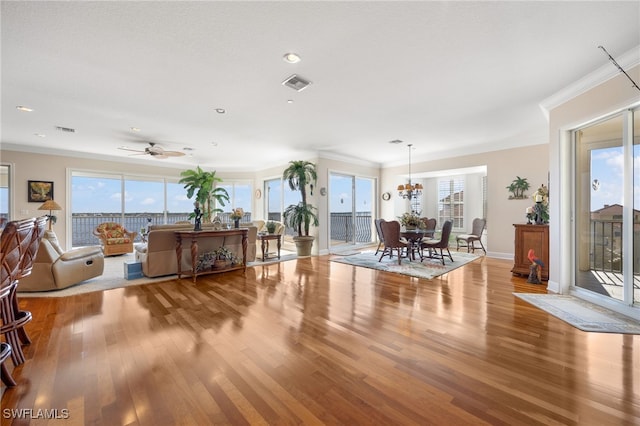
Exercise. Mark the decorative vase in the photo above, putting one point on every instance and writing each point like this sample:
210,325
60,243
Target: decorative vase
236,223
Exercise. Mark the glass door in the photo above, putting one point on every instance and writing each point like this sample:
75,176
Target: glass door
350,209
607,223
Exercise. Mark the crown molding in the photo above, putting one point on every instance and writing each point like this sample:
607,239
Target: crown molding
606,72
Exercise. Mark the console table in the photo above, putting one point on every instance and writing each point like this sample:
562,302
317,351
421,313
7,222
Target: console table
534,237
194,236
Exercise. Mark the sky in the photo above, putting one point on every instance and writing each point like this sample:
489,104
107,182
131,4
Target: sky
607,167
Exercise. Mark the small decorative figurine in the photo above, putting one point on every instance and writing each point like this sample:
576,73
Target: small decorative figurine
198,216
535,268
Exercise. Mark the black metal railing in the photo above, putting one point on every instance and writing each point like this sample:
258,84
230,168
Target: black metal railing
83,224
606,245
345,228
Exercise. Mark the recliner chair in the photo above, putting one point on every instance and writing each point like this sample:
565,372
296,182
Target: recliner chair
55,269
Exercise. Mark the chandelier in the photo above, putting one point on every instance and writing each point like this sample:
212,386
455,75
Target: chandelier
407,190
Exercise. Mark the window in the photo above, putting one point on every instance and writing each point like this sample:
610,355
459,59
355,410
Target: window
451,201
132,201
239,197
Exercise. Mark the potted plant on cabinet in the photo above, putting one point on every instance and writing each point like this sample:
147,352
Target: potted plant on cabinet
202,184
301,216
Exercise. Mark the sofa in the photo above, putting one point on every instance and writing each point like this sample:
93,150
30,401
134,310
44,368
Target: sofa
158,254
55,269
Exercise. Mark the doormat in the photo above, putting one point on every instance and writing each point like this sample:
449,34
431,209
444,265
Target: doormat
582,314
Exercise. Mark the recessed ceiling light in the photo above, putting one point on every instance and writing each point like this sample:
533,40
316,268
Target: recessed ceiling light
289,101
291,58
396,141
23,108
221,110
214,143
134,129
40,135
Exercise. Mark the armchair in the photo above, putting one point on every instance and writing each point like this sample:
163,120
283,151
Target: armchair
55,269
115,238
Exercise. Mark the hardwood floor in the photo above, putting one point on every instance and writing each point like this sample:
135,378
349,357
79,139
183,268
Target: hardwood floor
310,341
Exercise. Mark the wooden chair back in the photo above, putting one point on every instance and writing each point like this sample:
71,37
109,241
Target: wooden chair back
32,249
14,241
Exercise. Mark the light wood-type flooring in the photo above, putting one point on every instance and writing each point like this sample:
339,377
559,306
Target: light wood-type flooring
310,341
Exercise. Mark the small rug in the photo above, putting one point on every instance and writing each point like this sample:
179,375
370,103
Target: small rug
113,277
427,269
582,314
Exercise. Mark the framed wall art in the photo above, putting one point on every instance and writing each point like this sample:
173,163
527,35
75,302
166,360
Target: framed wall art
40,191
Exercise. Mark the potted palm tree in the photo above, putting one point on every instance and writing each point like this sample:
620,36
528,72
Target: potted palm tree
300,175
202,184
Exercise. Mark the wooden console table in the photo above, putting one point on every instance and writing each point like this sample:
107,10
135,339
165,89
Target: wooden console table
194,236
534,237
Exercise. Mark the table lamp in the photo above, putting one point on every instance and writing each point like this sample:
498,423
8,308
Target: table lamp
51,206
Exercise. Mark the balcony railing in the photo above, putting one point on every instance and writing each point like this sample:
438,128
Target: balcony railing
83,224
607,240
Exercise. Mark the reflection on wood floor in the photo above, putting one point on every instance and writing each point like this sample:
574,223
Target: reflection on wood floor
310,341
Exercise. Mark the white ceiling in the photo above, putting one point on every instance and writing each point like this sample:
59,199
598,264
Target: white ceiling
447,77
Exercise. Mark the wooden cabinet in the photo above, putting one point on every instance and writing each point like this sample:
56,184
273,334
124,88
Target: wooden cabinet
534,237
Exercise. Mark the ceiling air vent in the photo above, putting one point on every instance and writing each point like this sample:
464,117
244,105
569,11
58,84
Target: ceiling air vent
296,82
65,129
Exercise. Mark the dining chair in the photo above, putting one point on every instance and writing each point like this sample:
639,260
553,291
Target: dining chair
441,244
23,317
477,228
377,222
14,242
391,237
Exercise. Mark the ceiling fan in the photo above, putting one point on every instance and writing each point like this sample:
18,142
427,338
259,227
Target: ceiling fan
154,150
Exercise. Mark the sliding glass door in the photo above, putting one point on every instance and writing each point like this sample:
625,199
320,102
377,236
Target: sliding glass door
351,209
607,225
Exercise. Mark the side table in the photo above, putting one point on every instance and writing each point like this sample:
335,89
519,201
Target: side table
264,244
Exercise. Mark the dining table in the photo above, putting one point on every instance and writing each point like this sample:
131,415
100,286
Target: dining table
414,238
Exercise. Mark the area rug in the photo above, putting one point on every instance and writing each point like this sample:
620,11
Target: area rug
427,269
582,314
113,277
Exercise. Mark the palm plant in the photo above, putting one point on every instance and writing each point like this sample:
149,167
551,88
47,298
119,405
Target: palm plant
299,174
202,184
299,215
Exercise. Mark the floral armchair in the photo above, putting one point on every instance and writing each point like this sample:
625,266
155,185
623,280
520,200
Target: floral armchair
115,238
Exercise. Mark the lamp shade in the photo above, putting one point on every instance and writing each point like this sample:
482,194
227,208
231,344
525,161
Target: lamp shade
50,205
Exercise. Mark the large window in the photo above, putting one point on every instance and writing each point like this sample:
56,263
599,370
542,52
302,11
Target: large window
451,201
131,200
278,197
239,197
